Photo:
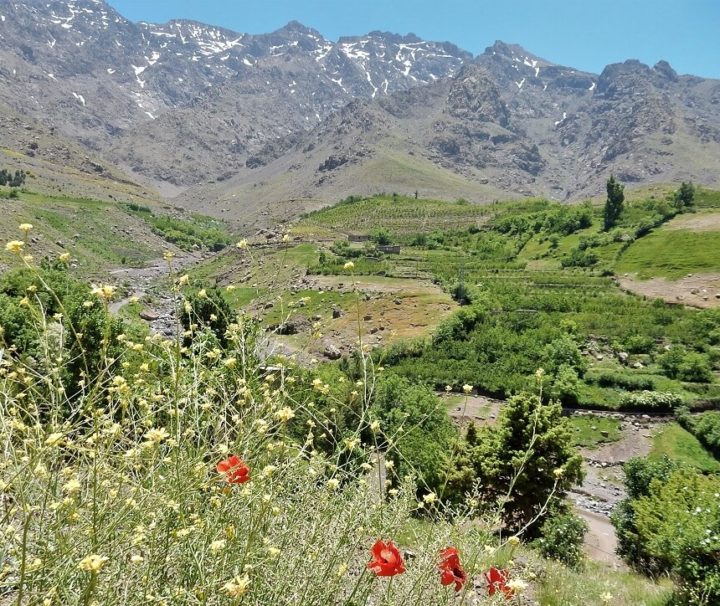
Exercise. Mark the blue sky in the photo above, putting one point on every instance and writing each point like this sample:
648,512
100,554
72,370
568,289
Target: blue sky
586,34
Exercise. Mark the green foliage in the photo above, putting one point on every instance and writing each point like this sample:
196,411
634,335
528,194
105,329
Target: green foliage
562,539
670,523
614,203
685,196
626,381
563,352
461,293
381,237
682,446
650,401
678,363
420,430
12,180
705,427
207,309
580,258
523,463
190,233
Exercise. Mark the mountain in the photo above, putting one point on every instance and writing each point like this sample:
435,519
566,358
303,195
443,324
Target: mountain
508,123
252,126
184,101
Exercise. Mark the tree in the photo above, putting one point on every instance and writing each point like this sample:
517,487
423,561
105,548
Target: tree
527,462
685,196
614,203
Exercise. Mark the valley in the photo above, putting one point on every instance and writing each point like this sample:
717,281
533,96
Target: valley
274,303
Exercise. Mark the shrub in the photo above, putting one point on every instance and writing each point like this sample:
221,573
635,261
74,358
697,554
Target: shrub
628,382
562,539
207,309
650,401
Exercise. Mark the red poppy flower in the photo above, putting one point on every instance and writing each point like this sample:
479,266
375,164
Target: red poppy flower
451,571
386,559
234,470
497,581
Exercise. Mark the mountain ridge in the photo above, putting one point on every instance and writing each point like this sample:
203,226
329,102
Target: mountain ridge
216,115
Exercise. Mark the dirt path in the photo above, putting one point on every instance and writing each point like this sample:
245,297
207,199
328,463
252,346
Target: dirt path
694,290
600,540
150,282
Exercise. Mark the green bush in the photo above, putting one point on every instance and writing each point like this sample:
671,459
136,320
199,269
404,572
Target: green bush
628,382
207,309
651,401
562,539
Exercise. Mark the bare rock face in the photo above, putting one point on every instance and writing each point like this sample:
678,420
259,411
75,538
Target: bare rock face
225,117
187,102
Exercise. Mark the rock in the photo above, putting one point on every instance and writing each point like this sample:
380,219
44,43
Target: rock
317,318
337,313
638,365
332,352
149,315
367,317
605,434
399,302
623,355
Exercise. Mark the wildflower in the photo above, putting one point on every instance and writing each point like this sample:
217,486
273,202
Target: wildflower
54,439
606,597
184,280
15,246
497,580
103,292
517,586
25,227
64,258
467,388
234,470
333,483
285,414
514,541
342,569
237,587
136,558
375,426
429,498
451,571
242,244
274,552
71,486
559,472
92,563
168,256
155,436
230,363
348,266
386,559
218,545
268,471
286,238
202,294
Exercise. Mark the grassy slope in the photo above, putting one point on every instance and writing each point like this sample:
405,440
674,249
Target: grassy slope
680,445
587,430
97,234
399,216
672,253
